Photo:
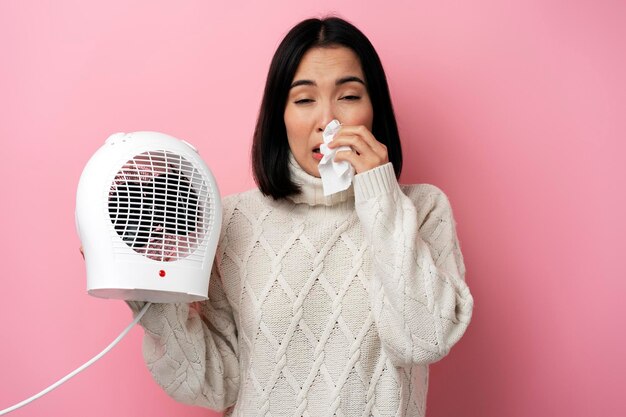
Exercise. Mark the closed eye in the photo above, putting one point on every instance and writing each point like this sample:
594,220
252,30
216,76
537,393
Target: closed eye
350,98
304,101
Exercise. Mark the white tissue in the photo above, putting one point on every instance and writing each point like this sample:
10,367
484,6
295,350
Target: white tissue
336,176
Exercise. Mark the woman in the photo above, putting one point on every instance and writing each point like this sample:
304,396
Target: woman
320,305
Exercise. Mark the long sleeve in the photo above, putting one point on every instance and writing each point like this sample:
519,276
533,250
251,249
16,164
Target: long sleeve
191,349
420,301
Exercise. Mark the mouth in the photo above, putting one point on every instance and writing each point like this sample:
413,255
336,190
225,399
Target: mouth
317,154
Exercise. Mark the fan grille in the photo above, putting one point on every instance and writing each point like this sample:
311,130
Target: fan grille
160,206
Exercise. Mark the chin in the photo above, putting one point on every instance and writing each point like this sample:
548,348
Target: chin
313,171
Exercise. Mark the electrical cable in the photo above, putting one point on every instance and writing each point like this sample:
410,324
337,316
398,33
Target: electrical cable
82,368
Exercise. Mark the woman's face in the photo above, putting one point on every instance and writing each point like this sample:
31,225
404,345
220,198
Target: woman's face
328,84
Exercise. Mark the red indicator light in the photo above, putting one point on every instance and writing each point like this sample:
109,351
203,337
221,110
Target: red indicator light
161,273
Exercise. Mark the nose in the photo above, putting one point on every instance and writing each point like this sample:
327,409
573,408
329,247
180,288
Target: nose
327,114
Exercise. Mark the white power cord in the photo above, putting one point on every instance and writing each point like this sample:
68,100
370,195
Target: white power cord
82,368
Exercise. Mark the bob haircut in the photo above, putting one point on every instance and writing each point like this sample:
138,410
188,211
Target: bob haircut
270,147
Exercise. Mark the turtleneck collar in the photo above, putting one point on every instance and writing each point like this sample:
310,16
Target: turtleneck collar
312,190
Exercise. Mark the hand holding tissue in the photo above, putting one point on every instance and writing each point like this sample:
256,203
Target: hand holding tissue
336,176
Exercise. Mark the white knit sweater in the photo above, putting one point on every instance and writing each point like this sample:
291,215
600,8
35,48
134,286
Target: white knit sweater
319,306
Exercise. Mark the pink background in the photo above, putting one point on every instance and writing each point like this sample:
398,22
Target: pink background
514,108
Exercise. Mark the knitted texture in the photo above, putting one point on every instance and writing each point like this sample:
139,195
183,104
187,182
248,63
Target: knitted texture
319,306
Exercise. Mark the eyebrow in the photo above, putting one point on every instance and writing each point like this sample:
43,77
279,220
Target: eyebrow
342,80
349,79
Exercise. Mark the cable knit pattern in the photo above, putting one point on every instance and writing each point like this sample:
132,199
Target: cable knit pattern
319,306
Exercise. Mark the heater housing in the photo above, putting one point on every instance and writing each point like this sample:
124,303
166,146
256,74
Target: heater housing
148,214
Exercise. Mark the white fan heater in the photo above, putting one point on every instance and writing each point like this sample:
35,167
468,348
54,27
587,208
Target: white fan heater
148,213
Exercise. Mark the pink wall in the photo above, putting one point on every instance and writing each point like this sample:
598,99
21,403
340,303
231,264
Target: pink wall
515,109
